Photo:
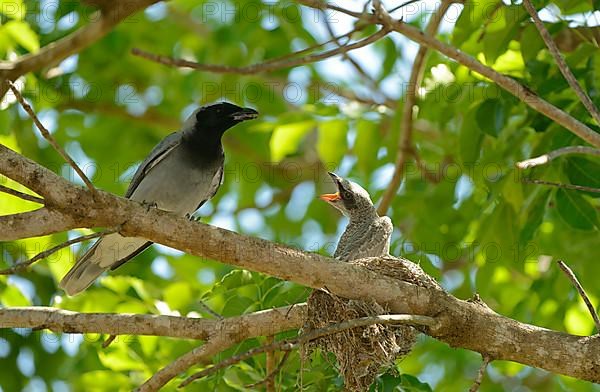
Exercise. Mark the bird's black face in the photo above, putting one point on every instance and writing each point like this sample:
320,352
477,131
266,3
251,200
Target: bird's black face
219,117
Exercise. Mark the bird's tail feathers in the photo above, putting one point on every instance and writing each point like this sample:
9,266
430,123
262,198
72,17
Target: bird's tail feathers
105,253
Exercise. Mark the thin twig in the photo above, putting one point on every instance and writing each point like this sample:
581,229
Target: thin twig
565,268
20,266
271,376
364,74
543,159
480,374
405,148
560,61
108,341
288,345
269,66
208,310
50,139
409,2
270,365
24,196
559,185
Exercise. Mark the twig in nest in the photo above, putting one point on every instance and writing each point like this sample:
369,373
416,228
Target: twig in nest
24,196
545,158
565,268
20,266
288,345
480,374
559,185
50,139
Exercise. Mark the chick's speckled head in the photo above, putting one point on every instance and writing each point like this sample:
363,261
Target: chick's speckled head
351,199
218,118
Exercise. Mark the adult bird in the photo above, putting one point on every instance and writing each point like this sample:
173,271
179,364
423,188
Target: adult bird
181,173
367,233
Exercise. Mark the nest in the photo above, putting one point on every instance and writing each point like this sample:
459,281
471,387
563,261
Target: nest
363,353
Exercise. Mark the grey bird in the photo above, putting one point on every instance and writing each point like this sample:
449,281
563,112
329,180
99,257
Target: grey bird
181,173
367,233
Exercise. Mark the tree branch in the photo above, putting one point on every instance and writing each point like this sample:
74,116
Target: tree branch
288,345
405,147
480,374
42,221
520,91
565,268
460,323
562,64
65,321
101,23
543,159
268,66
24,196
559,185
57,147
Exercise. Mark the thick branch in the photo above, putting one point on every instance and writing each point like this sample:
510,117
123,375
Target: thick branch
461,323
58,320
37,223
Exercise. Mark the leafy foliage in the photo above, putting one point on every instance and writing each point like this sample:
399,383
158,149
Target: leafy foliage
475,226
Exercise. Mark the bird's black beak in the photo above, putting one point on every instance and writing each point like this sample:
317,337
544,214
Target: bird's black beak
244,114
336,179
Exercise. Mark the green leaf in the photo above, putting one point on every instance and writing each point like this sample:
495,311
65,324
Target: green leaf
470,139
12,296
366,144
585,172
332,145
491,116
287,137
178,295
535,216
576,210
22,34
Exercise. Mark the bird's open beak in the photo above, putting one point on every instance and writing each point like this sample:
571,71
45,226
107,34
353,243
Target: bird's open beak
245,114
330,197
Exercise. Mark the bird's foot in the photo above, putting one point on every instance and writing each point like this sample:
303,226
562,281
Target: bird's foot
149,205
192,218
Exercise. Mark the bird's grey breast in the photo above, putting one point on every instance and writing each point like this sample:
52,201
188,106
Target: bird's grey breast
365,239
179,183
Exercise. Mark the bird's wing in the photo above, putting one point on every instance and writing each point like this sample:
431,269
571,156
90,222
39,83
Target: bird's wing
214,186
375,242
157,154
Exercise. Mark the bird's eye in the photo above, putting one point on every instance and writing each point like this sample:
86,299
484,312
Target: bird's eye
346,195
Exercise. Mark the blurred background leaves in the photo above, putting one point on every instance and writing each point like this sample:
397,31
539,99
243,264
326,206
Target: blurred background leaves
462,213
